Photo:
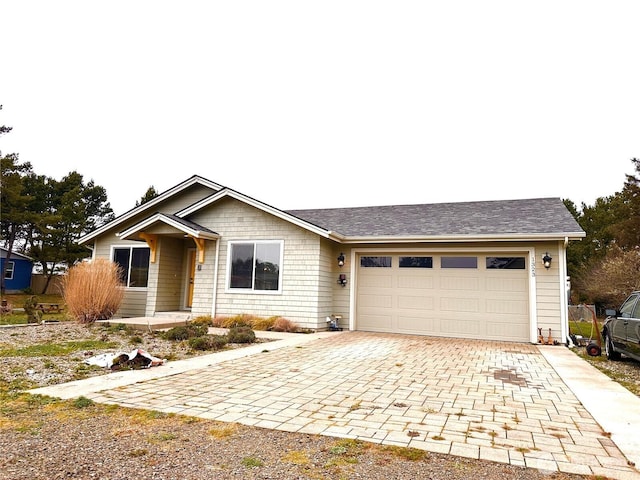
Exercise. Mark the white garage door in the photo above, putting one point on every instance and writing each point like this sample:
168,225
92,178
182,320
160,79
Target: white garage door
482,296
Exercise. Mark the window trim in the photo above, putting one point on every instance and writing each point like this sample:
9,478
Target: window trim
131,247
515,257
10,269
376,265
252,290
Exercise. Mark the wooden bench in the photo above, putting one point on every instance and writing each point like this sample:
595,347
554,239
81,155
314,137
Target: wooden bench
50,307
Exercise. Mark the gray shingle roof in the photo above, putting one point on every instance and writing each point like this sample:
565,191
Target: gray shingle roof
537,216
189,224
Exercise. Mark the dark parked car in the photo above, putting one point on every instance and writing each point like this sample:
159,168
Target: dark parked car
621,331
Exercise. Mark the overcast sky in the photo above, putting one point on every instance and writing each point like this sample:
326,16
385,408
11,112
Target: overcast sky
305,104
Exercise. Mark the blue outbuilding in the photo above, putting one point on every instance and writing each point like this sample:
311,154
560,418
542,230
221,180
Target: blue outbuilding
18,274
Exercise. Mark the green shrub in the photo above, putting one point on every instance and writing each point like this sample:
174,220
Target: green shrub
208,342
241,335
185,332
82,402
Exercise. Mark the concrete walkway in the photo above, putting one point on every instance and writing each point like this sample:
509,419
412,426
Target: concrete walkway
539,407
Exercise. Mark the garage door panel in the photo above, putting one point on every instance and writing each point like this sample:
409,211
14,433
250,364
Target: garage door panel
459,304
375,323
381,281
507,331
415,302
506,284
514,307
463,327
414,281
376,301
423,325
460,283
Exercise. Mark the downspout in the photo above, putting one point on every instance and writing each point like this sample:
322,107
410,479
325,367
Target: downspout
215,279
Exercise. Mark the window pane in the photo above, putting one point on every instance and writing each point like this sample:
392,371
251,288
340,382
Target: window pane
241,265
375,262
626,309
506,263
121,257
267,266
139,267
416,262
134,265
8,274
459,262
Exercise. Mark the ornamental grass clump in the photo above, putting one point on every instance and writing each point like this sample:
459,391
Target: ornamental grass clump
93,290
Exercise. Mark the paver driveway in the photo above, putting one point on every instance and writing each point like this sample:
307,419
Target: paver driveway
488,400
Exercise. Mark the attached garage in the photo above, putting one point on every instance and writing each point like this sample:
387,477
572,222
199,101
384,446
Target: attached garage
472,295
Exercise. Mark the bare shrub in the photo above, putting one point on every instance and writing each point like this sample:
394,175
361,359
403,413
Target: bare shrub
218,321
283,325
612,279
93,290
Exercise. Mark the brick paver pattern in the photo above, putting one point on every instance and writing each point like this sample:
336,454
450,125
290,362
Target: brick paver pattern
496,401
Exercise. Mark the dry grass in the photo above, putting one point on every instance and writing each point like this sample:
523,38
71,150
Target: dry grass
93,291
276,324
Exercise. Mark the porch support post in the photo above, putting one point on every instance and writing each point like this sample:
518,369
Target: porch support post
200,242
152,241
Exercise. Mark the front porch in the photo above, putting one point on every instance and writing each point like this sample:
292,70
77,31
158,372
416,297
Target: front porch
160,321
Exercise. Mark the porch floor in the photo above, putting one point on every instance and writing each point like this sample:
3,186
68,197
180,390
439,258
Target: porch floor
160,321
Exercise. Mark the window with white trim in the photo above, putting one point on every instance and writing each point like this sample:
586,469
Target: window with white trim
134,264
255,266
8,273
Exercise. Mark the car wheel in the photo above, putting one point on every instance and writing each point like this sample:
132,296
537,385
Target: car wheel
593,350
608,348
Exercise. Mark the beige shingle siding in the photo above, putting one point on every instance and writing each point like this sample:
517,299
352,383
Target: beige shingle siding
203,283
134,303
299,300
548,294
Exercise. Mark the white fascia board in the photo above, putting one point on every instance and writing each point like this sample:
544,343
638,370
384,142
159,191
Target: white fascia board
159,217
148,205
254,203
461,238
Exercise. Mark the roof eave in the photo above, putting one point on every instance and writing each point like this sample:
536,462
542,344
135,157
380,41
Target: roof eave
540,237
256,204
148,205
159,217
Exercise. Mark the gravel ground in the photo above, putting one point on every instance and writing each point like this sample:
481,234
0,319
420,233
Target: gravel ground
44,438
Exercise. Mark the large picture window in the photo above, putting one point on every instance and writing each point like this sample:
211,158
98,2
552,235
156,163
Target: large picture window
134,262
255,266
